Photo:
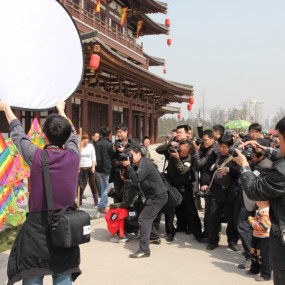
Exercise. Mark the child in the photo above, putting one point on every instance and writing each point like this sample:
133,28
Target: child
260,242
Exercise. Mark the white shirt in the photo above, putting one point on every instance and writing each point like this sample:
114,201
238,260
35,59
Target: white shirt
87,156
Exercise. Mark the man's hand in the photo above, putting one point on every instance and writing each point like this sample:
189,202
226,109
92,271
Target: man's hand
125,163
5,107
174,154
240,159
223,170
60,108
204,187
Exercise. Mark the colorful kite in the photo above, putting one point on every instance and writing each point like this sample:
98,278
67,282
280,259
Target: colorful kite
35,134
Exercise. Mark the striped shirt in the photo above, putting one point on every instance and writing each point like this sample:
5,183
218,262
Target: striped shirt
261,225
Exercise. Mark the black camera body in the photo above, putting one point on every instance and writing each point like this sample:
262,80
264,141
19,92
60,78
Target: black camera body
125,156
174,149
248,152
199,141
118,144
112,193
203,194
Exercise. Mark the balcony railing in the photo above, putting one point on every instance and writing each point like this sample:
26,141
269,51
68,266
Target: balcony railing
89,18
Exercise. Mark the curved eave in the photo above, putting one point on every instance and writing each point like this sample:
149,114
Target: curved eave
174,91
145,6
149,27
154,61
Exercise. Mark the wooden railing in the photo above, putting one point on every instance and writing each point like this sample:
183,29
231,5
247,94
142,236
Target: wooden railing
102,26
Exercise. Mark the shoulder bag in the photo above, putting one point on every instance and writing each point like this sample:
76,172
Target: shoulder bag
69,226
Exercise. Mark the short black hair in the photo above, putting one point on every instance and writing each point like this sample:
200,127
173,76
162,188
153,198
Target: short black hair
105,132
122,127
57,129
174,130
145,138
219,128
139,149
226,139
208,133
255,126
185,127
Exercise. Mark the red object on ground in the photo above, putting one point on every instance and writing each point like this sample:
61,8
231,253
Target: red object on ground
115,219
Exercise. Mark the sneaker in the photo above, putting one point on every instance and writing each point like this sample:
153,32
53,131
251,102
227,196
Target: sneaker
155,241
234,247
170,238
249,272
137,235
101,210
139,254
245,265
262,278
117,239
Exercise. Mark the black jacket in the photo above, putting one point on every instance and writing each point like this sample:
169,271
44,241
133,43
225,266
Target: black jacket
149,178
270,188
104,154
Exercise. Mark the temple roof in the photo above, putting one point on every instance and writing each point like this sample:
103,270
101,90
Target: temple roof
144,6
132,80
154,61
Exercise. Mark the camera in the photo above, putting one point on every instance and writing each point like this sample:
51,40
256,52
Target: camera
202,194
118,144
248,152
173,149
199,141
125,156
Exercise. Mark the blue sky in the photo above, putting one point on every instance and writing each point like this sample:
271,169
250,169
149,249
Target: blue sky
231,51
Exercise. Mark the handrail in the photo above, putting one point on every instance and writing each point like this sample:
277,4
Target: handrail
89,18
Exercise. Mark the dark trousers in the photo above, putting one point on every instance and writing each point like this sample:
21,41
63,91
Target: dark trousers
260,256
169,227
214,221
150,211
245,231
85,176
279,277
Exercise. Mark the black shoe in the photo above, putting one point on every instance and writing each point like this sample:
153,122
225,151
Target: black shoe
155,241
212,246
188,232
139,254
249,272
170,238
200,239
234,247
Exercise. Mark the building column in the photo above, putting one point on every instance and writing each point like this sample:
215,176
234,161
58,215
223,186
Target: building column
130,120
145,122
84,110
152,129
68,108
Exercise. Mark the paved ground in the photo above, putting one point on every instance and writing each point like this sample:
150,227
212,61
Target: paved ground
184,261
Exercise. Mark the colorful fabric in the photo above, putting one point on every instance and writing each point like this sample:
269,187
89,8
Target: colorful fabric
139,27
35,134
261,223
123,16
6,161
97,7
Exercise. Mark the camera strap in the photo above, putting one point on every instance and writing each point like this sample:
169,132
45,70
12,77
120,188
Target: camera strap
47,180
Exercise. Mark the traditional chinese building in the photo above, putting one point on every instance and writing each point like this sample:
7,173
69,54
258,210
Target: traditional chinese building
121,88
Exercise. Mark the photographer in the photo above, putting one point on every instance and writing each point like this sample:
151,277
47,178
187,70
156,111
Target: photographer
121,146
220,178
181,175
203,149
271,187
146,175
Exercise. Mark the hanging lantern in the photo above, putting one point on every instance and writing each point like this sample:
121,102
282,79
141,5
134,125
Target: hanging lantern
169,42
191,100
164,70
167,23
189,107
179,116
94,61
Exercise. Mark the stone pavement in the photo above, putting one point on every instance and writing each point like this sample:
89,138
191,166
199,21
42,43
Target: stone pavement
184,261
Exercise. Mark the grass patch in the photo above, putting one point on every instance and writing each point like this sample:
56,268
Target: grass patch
7,238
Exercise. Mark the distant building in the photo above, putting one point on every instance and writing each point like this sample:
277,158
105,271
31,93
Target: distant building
255,111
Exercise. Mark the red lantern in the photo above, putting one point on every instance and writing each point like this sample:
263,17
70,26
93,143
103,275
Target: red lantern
94,61
169,42
167,23
191,100
164,70
179,116
189,107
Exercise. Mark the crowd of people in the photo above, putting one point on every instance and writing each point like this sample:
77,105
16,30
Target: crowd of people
240,177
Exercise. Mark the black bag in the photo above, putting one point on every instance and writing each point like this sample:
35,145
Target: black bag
174,197
70,226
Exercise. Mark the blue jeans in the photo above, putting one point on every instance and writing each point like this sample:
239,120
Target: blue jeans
105,186
58,279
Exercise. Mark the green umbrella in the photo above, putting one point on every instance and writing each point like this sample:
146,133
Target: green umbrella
237,125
